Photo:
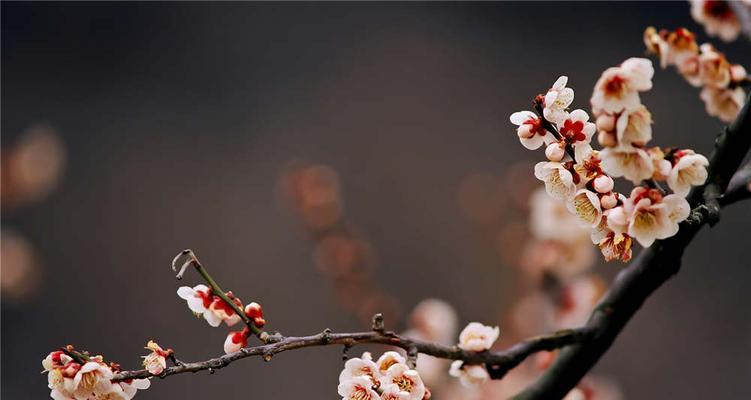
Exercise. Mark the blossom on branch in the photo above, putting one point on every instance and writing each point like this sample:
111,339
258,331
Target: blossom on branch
478,337
717,17
469,375
156,361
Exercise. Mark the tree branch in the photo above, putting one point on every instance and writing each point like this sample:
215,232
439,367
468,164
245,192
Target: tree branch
739,187
649,271
497,362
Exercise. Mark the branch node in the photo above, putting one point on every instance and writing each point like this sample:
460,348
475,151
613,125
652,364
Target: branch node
412,357
345,352
378,324
268,355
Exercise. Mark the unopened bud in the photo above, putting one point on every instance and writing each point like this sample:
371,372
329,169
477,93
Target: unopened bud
259,322
608,201
607,139
603,184
555,151
253,310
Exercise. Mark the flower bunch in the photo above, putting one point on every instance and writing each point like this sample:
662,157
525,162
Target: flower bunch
215,310
702,66
474,337
583,178
388,378
73,375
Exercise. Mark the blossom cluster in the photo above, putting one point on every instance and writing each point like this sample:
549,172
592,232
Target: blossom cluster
204,303
86,378
474,337
582,177
702,66
388,378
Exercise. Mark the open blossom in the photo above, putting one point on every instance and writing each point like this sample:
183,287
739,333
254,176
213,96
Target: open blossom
392,392
557,100
530,130
578,131
717,17
714,68
236,341
559,182
618,87
478,337
627,161
156,361
360,367
469,375
634,126
406,379
689,169
616,246
213,309
724,104
357,388
585,205
132,386
673,48
647,215
93,381
389,359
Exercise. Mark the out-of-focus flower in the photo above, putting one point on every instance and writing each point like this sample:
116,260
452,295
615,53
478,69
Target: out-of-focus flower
435,319
469,375
530,130
32,168
20,268
478,337
630,162
689,169
577,300
406,379
717,17
357,388
557,100
724,104
559,182
156,361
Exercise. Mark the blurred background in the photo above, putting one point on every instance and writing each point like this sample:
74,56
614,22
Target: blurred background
328,161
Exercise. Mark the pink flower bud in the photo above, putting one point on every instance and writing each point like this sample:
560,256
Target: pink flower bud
603,184
605,122
607,139
555,151
608,201
525,131
253,310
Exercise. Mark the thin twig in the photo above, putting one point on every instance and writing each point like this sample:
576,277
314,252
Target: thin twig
497,362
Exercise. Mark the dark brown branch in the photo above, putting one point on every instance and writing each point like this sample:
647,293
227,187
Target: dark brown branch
497,362
649,271
739,187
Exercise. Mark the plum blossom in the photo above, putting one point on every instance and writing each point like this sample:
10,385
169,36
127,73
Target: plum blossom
361,367
478,337
559,182
578,131
469,375
634,126
156,361
530,130
618,87
578,298
630,162
724,104
557,100
648,215
357,388
435,319
406,379
585,205
236,341
213,309
93,381
393,392
689,169
389,359
717,17
714,68
673,48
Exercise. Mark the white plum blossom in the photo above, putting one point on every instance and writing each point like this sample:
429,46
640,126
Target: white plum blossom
129,388
559,182
392,392
724,104
690,169
360,367
630,162
717,17
585,205
634,126
357,388
469,375
649,215
618,87
532,134
93,381
578,131
557,100
406,379
478,337
388,359
213,309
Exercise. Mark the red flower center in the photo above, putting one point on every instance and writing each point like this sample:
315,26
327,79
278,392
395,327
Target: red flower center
573,131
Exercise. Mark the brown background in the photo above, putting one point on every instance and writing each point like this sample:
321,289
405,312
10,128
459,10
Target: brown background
178,117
